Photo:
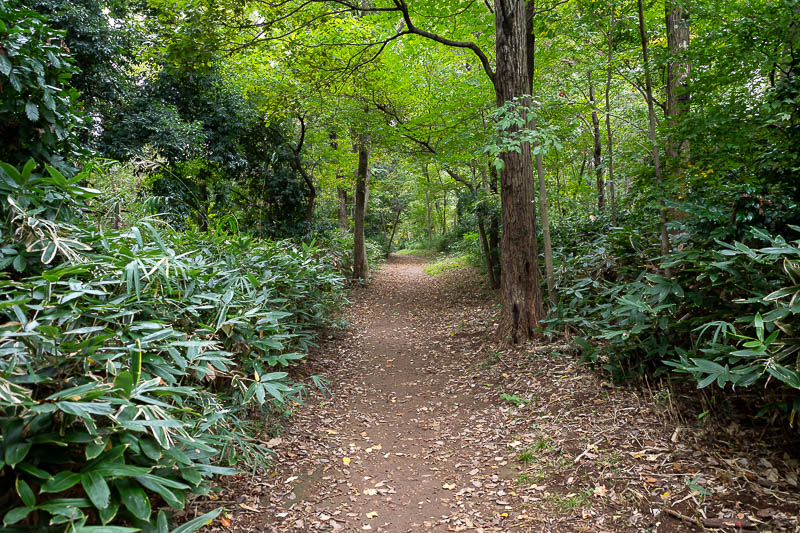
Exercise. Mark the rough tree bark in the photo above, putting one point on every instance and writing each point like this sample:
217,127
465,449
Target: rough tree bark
521,294
652,123
677,22
341,192
360,265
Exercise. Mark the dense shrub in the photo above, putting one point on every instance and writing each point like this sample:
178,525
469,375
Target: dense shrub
131,360
726,312
38,107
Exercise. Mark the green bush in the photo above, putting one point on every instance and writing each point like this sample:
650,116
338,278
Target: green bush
131,361
725,313
38,107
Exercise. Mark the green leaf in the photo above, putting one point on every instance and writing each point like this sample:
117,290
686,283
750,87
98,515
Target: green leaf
197,523
96,489
134,498
16,452
25,493
106,529
161,523
124,382
95,448
16,514
61,482
32,111
108,514
5,64
119,470
35,472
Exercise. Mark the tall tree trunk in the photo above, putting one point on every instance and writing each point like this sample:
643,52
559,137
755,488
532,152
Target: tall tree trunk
598,150
428,206
360,265
652,132
610,148
530,49
677,22
398,210
520,292
341,192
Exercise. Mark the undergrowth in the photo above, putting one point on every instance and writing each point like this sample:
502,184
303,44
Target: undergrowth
721,308
135,362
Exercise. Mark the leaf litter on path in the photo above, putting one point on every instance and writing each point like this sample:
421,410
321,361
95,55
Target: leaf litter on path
432,426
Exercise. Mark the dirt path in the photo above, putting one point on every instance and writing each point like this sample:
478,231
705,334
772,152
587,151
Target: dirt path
431,427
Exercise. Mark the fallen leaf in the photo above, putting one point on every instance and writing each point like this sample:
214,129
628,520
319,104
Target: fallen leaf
372,514
346,460
449,486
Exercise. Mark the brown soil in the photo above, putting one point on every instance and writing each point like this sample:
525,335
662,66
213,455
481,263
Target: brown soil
431,426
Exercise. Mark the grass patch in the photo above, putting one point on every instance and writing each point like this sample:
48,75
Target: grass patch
446,264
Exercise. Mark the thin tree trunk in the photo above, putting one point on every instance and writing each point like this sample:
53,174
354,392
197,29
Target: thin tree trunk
610,148
559,192
548,246
312,190
598,150
360,264
520,291
394,229
652,132
530,47
481,211
344,224
494,229
428,206
444,213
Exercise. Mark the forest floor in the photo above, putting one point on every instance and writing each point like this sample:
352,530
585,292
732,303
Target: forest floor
431,426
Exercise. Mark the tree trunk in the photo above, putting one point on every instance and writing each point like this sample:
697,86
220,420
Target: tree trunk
399,210
521,295
428,206
494,230
677,22
444,213
488,253
344,224
598,150
530,48
610,148
360,265
652,132
310,201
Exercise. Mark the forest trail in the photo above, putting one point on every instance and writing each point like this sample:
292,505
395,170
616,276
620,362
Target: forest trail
431,427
